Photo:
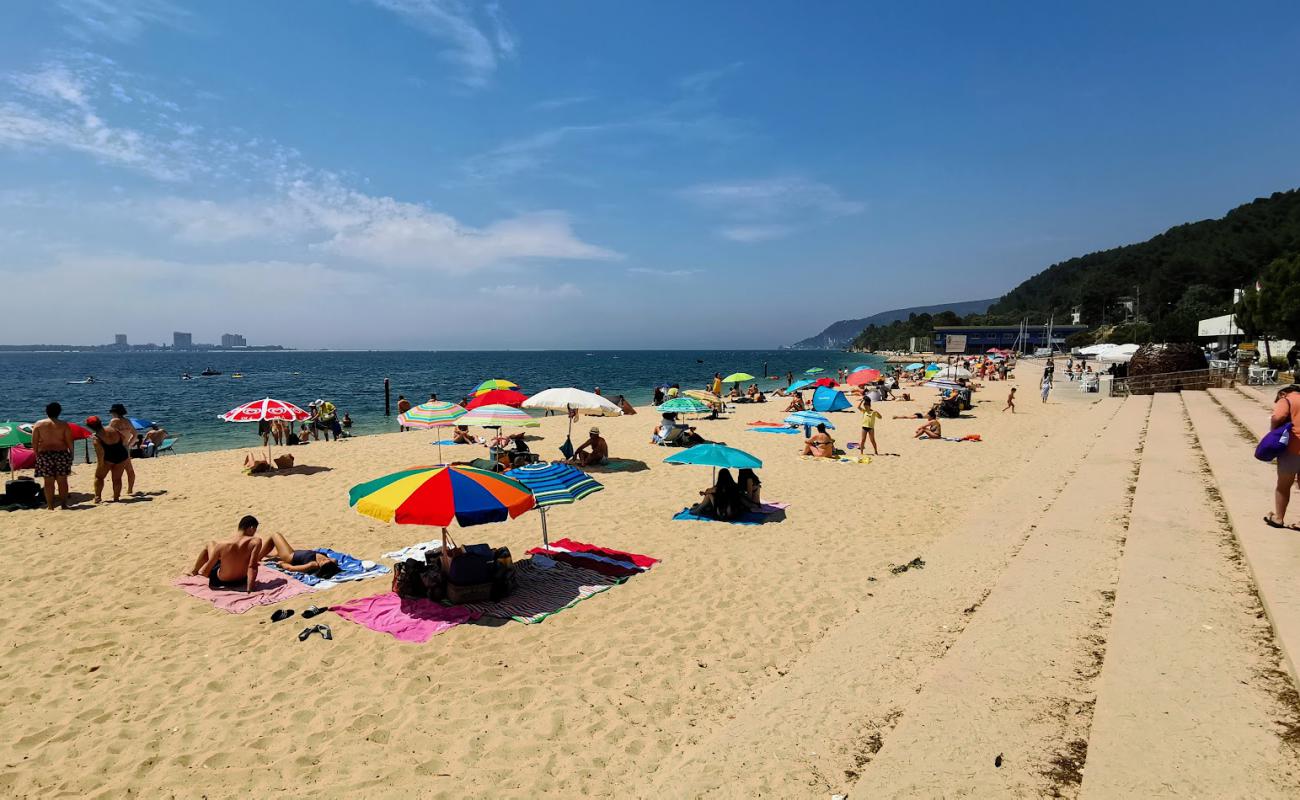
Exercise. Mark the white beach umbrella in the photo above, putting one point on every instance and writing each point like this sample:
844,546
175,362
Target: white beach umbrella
1120,354
570,399
952,373
1096,349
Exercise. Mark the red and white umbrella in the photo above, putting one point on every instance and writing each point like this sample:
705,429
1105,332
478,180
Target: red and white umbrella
265,409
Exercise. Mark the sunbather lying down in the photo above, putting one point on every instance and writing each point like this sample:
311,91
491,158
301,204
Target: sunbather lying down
232,564
276,548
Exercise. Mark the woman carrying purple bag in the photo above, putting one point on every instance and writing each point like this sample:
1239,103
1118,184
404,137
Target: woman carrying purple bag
1286,411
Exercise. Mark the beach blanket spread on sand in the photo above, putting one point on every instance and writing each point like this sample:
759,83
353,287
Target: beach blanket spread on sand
352,569
269,587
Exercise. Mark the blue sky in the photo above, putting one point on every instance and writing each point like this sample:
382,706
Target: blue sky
446,174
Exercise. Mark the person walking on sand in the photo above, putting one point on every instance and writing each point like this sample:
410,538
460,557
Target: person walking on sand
111,456
1046,387
1011,401
869,417
52,443
1286,408
123,426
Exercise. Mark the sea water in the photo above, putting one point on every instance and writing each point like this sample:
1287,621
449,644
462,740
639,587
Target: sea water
150,385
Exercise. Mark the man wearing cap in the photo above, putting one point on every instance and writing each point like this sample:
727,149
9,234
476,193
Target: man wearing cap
593,452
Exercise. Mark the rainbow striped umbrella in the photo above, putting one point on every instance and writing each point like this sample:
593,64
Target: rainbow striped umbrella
497,416
433,414
494,383
437,495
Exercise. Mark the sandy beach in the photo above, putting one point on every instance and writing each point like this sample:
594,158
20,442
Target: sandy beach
1079,586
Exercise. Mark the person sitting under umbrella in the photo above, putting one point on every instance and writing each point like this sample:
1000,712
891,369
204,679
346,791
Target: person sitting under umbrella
593,452
820,444
461,435
724,500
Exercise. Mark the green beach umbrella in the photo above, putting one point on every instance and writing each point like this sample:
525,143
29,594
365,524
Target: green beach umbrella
813,371
737,377
683,405
11,434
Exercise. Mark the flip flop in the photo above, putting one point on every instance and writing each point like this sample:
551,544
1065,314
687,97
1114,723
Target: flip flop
283,613
1272,523
325,632
313,611
302,637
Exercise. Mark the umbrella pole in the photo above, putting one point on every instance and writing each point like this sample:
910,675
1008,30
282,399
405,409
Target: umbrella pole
546,542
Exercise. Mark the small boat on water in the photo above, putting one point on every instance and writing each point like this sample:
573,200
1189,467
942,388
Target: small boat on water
185,376
209,372
237,375
89,379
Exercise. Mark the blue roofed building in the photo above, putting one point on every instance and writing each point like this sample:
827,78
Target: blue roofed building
980,338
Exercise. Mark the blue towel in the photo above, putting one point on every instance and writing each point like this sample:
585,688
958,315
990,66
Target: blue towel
749,518
775,430
351,569
447,443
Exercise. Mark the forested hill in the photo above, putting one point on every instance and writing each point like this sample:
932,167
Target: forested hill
1187,272
840,333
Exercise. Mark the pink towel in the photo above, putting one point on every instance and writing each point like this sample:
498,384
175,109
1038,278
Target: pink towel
270,587
405,619
644,562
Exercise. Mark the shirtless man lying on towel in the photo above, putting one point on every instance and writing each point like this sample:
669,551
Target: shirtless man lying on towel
232,564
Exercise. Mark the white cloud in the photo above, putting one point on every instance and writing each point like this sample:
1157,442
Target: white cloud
663,273
475,47
121,20
772,196
755,233
511,291
327,217
763,209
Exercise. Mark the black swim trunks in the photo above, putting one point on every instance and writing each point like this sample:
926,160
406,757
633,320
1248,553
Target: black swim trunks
54,464
217,583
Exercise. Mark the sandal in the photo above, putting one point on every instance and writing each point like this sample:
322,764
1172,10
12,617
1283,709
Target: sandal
302,637
1273,523
325,632
313,611
283,613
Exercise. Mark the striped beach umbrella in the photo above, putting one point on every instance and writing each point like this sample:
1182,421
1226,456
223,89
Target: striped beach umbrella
439,494
708,398
553,485
433,414
808,419
683,405
494,383
497,416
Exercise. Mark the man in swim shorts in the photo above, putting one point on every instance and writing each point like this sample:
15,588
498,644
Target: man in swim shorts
52,441
232,564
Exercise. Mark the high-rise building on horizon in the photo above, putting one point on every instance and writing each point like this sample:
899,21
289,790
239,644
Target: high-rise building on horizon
233,340
182,341
119,340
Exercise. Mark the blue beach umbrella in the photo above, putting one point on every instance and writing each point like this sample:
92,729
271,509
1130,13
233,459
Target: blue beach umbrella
553,485
859,368
797,385
715,455
913,367
139,424
808,419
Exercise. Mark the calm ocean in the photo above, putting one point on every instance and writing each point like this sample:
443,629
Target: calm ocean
149,384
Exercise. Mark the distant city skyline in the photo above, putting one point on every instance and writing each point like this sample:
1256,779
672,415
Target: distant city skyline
455,175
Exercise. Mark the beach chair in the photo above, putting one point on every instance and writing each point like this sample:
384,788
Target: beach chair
168,446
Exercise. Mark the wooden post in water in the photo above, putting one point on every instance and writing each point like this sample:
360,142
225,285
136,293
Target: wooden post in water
388,412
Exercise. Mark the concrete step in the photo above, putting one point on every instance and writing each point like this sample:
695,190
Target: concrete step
1246,486
1247,413
794,734
1020,681
1174,716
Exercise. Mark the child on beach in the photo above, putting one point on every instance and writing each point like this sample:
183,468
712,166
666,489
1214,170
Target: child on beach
1047,386
1011,401
869,417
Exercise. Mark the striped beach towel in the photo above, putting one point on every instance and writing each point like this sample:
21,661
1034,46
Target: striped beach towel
543,592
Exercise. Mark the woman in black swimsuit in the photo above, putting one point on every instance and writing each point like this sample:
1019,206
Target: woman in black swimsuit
319,564
111,457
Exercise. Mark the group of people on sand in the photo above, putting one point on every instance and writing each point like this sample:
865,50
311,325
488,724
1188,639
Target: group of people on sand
730,498
52,443
233,563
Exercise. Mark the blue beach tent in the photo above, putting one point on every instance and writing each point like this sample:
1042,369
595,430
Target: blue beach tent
828,399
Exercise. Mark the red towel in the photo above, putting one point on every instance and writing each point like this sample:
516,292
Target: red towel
643,561
595,565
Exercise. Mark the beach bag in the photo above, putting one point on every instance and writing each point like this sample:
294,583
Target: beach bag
1274,443
23,492
284,462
